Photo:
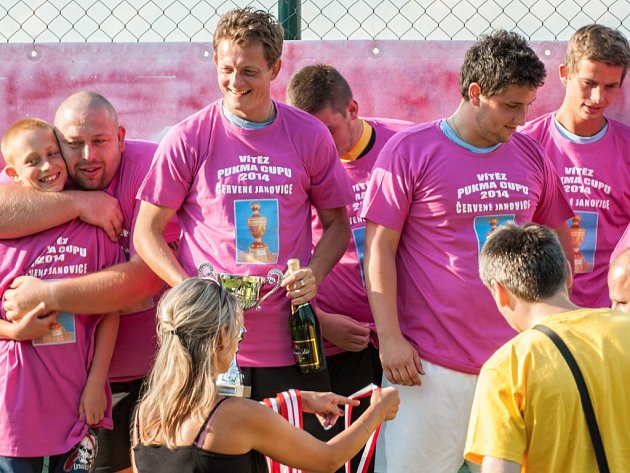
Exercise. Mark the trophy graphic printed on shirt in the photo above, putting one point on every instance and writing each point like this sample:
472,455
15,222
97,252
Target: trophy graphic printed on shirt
61,330
55,333
577,239
247,291
257,225
493,222
485,225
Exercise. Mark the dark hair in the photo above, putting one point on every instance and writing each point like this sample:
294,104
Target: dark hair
318,86
246,26
499,60
527,260
598,43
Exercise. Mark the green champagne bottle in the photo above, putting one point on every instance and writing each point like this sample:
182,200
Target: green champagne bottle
308,348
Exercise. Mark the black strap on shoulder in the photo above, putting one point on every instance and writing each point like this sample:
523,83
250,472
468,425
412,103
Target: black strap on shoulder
587,406
203,430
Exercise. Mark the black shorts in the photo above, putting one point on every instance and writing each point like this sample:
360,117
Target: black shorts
350,372
268,382
114,446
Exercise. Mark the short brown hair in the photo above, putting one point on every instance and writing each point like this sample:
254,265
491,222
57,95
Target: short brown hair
10,135
318,86
527,260
246,26
598,43
498,60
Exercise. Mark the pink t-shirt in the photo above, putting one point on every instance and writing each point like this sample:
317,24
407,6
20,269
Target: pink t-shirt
444,200
596,178
343,290
137,342
42,381
622,245
244,198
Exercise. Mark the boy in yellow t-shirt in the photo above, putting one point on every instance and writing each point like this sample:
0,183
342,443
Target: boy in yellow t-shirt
527,414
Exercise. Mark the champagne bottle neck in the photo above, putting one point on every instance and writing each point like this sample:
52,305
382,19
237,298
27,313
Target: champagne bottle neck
296,307
293,265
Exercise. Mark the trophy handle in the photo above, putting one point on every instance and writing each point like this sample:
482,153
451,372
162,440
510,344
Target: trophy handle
273,277
206,270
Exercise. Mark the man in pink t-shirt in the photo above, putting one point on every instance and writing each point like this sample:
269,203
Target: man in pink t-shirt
342,304
106,171
241,175
591,154
436,192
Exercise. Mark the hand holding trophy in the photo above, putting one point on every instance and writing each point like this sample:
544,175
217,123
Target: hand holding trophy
247,290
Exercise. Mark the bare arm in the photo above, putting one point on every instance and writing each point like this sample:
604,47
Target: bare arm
150,244
273,436
24,211
333,243
133,461
33,325
497,465
325,406
108,290
134,439
93,401
401,362
329,250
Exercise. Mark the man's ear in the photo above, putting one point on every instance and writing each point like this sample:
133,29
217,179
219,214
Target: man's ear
563,71
276,68
569,281
474,93
122,132
353,109
501,294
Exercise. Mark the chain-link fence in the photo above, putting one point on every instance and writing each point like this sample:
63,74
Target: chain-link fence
42,21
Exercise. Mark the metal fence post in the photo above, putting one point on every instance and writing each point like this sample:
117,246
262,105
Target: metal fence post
290,16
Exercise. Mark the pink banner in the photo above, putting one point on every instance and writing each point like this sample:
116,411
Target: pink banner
154,85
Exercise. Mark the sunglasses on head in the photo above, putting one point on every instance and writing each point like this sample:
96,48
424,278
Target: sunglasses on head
222,291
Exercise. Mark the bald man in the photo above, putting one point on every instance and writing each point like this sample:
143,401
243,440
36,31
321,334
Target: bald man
103,164
619,282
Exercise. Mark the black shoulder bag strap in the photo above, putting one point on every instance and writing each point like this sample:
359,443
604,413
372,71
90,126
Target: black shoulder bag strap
587,406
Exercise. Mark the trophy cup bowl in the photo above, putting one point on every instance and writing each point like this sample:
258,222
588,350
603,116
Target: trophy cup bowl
247,291
245,288
257,226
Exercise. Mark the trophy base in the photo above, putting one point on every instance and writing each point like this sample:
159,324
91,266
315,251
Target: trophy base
234,390
580,264
261,253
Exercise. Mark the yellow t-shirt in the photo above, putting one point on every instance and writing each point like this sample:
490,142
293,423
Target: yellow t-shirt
527,407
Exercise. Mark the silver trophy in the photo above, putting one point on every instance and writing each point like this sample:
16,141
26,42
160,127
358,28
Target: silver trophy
247,291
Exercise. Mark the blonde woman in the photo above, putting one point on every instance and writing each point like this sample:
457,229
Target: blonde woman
183,425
